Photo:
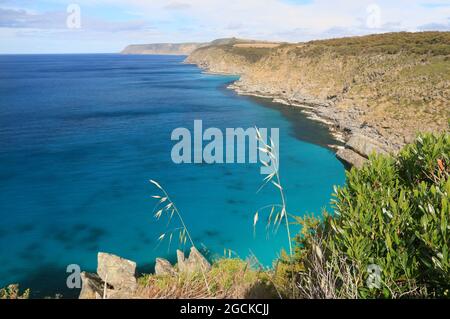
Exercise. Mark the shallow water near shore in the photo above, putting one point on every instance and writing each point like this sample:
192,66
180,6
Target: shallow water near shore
80,137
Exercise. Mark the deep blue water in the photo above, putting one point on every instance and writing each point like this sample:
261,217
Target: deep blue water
81,135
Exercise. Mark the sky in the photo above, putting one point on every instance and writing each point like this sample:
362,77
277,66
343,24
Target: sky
107,26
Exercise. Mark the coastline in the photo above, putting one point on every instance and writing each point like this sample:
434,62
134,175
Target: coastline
314,110
359,140
380,94
310,111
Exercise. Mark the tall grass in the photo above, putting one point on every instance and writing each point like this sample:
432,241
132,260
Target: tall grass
167,207
274,179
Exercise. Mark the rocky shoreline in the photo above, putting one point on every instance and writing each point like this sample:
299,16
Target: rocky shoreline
380,89
360,139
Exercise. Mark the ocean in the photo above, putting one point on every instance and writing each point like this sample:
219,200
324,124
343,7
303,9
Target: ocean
82,135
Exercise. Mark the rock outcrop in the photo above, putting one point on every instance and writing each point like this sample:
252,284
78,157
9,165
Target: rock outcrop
163,267
365,146
117,273
351,158
92,286
195,262
358,149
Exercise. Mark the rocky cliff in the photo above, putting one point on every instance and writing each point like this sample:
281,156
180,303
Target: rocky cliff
163,48
382,87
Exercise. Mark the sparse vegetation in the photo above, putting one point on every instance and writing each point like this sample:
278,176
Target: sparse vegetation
228,278
420,43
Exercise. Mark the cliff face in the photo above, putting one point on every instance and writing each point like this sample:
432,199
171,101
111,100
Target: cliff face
162,48
387,87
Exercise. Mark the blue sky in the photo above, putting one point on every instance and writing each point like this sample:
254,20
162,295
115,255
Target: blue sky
31,26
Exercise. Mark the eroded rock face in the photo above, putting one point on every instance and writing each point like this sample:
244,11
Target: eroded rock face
92,286
164,267
116,271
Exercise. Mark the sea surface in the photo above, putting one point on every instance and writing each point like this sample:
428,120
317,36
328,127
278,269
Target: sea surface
82,135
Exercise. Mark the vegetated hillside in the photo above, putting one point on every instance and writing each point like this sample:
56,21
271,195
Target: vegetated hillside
162,48
177,48
386,86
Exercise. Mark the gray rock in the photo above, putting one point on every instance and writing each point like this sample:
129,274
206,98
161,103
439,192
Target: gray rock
164,267
194,263
116,271
197,259
92,286
351,158
365,146
181,260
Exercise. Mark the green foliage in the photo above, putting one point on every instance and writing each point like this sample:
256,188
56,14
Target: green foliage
252,55
394,213
229,272
420,43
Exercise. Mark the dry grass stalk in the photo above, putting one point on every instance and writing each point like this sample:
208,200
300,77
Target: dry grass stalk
274,179
166,206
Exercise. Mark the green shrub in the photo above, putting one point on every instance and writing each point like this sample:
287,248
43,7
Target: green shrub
393,213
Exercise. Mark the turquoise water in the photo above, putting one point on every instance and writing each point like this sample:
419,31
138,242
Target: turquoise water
81,135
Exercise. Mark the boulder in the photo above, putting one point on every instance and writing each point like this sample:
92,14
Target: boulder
358,149
365,146
351,158
195,262
197,259
164,267
92,286
118,272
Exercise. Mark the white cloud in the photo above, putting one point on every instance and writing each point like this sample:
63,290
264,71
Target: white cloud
204,20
